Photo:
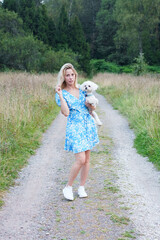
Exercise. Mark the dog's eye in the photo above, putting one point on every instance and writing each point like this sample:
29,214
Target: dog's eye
88,85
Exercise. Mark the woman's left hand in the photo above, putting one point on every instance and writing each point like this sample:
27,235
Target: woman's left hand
90,106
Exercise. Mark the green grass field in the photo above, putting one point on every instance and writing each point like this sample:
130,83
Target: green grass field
138,98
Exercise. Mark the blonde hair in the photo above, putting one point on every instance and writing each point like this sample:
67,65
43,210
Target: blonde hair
61,75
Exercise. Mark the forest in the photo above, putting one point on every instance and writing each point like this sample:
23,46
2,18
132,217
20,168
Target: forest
94,35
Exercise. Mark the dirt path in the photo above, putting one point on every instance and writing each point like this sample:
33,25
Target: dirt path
123,189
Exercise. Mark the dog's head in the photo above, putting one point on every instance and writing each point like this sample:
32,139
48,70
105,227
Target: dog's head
89,86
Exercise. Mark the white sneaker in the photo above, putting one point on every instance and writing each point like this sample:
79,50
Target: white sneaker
81,192
68,194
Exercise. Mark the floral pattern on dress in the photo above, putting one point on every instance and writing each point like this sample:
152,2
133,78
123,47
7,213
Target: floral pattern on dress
81,131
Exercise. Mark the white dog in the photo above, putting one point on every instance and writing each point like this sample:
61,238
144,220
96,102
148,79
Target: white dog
89,87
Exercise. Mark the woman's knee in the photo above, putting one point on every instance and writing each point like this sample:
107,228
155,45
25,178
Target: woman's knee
86,160
80,157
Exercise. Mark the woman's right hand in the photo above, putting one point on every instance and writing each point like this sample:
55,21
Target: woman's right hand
59,91
64,106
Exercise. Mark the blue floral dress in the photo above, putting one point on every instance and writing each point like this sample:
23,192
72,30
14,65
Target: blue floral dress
81,131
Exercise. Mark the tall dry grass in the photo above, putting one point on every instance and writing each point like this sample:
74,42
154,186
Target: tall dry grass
18,92
27,107
138,98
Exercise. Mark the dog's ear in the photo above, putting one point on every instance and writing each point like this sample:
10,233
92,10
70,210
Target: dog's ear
94,86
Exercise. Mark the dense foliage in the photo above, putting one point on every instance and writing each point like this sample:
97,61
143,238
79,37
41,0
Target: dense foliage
117,31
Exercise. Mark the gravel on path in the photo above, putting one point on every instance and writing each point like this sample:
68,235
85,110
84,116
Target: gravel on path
119,206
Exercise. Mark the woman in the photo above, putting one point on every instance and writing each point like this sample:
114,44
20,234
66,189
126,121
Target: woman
81,132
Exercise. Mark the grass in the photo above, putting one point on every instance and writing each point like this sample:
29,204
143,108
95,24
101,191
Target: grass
138,98
117,219
108,185
129,235
27,108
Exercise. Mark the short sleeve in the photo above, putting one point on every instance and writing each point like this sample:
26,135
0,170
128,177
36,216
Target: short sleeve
57,99
84,93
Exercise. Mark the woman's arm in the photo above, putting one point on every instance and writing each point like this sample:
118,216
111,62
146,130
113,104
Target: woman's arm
64,106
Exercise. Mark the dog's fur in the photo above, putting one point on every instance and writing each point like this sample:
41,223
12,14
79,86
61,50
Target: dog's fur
89,87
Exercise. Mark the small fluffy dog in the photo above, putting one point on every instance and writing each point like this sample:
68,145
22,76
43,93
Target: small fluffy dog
89,87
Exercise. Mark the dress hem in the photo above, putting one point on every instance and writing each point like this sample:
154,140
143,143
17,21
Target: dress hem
81,149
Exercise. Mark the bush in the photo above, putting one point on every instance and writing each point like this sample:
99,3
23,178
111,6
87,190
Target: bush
140,66
28,54
153,69
126,69
21,53
100,65
52,61
11,23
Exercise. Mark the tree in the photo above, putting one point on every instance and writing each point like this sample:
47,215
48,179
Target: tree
11,5
140,66
87,16
38,2
51,33
53,61
76,35
73,7
21,53
77,43
106,30
10,23
25,9
63,29
40,24
138,21
35,18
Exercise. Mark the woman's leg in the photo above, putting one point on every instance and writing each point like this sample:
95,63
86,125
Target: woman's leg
85,168
80,161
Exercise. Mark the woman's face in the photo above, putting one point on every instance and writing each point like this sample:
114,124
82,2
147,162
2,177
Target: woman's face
69,77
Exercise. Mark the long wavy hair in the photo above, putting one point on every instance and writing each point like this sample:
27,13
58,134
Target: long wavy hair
61,75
